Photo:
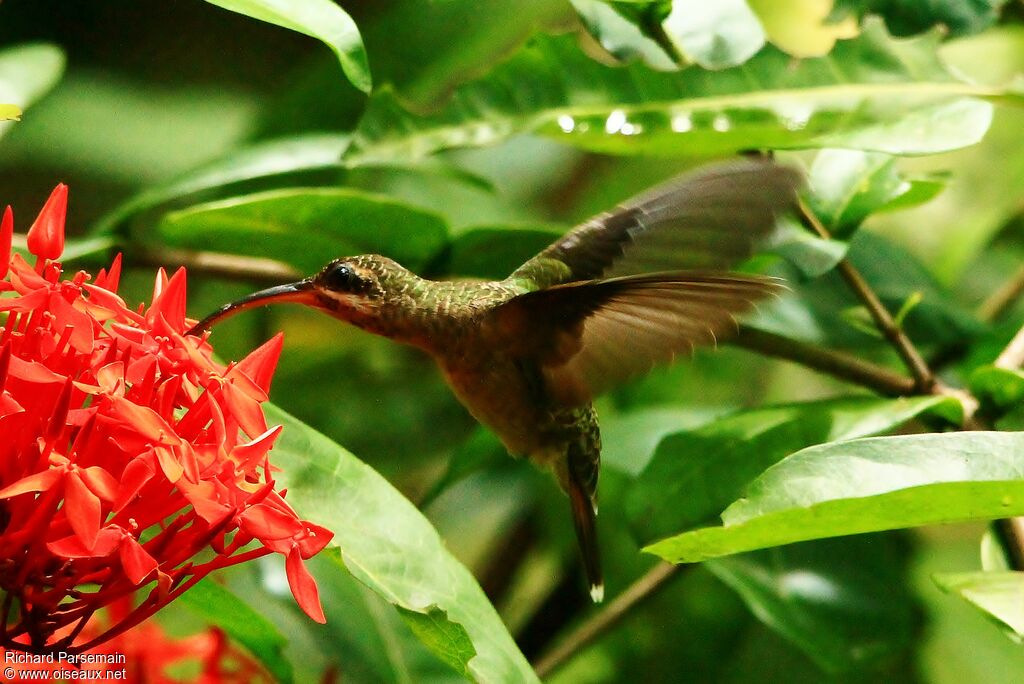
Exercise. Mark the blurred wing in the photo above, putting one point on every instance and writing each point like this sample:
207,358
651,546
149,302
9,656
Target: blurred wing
709,220
587,337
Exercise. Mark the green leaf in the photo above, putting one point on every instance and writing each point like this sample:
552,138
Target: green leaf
27,72
449,640
999,595
320,19
621,34
364,636
846,186
866,485
716,35
871,93
906,17
492,252
307,153
307,227
693,475
241,622
388,545
811,255
895,275
1004,387
844,602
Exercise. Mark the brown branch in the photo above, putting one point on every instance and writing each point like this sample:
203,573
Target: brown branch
232,266
837,364
610,616
1000,301
923,376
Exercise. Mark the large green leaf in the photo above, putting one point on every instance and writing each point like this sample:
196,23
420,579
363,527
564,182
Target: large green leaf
715,35
389,546
866,485
307,227
693,475
275,158
27,72
242,623
369,639
844,602
871,93
320,19
999,595
846,186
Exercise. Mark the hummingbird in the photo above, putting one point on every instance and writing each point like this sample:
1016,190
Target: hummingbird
628,289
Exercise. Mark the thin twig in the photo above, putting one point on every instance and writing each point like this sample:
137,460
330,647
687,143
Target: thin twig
601,622
215,263
923,376
835,363
1003,299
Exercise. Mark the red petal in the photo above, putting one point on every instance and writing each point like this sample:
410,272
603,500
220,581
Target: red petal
107,541
247,455
33,372
315,540
79,321
137,563
169,463
136,475
110,378
261,362
144,420
46,236
6,232
244,409
267,523
109,300
171,302
8,405
204,499
112,278
100,482
37,482
303,587
37,299
82,509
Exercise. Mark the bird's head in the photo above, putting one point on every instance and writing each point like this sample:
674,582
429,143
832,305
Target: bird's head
354,289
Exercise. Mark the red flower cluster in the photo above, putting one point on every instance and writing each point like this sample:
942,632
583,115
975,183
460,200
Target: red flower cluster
125,450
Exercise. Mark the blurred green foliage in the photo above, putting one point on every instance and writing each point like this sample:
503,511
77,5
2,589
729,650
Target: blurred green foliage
460,138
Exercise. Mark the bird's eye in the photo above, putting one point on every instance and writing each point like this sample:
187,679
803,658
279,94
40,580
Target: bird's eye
342,278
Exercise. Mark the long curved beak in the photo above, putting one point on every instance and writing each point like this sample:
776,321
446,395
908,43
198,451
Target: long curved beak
301,292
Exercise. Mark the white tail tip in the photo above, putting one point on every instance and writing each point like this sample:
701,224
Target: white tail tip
597,593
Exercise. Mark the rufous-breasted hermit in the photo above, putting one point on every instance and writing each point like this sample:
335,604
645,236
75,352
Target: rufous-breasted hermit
624,291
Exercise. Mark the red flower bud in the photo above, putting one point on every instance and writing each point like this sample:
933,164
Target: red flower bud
46,236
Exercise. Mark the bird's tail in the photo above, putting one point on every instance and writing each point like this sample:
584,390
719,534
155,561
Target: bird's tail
584,517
